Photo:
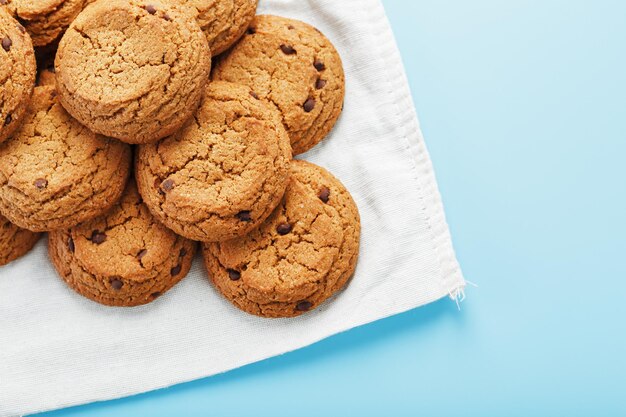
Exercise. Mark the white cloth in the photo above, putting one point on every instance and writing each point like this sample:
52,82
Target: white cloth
59,349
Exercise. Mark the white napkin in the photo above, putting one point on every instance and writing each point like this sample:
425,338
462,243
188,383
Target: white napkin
59,349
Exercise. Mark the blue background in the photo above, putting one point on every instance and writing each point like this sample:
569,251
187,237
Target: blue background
523,105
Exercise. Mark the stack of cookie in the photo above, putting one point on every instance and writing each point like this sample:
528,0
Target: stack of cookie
213,150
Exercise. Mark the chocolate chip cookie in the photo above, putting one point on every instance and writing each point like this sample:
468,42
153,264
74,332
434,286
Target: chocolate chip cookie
222,21
56,173
17,73
132,69
223,173
14,241
294,66
45,20
123,258
305,251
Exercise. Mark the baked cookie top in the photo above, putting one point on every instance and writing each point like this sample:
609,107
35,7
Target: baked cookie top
54,172
17,73
132,69
222,21
44,20
124,257
223,173
14,241
294,66
299,257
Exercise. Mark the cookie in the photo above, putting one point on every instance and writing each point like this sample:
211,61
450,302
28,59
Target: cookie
14,241
56,173
223,173
132,69
45,20
124,258
46,76
223,22
292,65
305,251
17,73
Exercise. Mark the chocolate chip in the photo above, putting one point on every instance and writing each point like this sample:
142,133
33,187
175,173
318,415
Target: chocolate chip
304,305
319,84
324,194
150,8
116,283
255,95
97,237
251,30
176,270
233,275
41,183
8,119
70,244
283,228
6,43
319,65
290,27
167,185
287,49
141,254
155,294
182,252
244,216
167,17
309,104
21,28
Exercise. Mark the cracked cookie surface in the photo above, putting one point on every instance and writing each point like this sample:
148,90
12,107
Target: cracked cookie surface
222,21
54,172
123,258
17,73
294,66
14,241
222,174
301,255
45,20
132,69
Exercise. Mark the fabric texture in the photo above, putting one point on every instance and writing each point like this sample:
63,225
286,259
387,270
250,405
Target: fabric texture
59,349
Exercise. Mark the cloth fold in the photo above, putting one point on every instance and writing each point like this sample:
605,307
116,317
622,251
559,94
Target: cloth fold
58,349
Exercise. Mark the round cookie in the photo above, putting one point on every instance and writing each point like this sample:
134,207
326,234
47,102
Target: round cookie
56,173
46,76
132,69
45,20
17,73
14,241
222,174
292,65
222,21
123,258
305,251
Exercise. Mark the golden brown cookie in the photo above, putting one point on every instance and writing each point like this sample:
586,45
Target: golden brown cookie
292,65
132,69
45,20
222,21
17,73
224,173
14,241
305,251
124,258
54,172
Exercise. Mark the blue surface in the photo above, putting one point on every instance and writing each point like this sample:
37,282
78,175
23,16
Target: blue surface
523,105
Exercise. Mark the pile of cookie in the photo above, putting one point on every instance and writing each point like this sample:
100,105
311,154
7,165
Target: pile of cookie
157,124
